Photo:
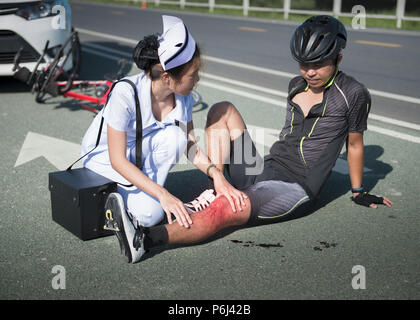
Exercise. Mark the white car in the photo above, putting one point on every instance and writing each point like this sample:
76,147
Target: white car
30,24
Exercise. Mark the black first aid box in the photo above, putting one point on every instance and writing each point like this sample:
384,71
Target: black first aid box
78,199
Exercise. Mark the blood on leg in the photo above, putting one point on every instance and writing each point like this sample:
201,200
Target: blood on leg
207,222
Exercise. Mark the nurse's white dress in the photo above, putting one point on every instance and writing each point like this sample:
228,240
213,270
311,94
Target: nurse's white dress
162,146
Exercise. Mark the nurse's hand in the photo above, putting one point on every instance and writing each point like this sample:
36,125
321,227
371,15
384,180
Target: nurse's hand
172,204
235,197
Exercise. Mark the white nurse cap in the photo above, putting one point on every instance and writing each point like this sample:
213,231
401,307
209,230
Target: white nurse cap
176,45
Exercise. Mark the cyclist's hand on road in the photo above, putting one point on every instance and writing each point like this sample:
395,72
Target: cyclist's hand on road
372,201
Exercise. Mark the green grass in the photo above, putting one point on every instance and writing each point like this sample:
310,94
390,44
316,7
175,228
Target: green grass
370,22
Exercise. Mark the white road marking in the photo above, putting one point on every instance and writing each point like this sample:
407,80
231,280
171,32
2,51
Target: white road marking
245,85
399,123
394,96
242,93
378,93
58,152
394,134
251,67
284,94
260,98
105,35
391,133
61,153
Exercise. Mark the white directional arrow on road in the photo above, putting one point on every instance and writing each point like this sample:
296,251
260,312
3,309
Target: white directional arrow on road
59,153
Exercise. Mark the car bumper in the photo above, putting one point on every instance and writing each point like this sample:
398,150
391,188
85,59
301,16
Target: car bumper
16,32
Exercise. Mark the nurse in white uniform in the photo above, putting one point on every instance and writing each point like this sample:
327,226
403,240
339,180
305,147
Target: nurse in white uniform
171,62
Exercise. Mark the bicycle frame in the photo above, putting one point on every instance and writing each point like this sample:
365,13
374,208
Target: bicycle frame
85,97
44,81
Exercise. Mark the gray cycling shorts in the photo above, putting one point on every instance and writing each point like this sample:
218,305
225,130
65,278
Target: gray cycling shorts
271,193
275,199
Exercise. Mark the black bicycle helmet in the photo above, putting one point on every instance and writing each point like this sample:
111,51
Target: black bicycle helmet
317,39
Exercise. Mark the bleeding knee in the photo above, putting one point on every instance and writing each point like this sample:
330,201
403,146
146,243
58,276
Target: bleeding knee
221,214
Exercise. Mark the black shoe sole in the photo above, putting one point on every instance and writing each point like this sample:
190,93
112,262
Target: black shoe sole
113,205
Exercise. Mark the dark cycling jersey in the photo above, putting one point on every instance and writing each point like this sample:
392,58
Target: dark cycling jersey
308,147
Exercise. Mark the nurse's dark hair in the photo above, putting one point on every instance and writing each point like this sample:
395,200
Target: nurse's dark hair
145,56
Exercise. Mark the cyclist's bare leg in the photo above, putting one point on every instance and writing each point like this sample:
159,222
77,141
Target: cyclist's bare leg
224,124
217,216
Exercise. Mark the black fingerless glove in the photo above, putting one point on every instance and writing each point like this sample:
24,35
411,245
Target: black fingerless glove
366,199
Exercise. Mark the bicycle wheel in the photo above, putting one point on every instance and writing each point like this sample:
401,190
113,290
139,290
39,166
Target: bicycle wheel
56,69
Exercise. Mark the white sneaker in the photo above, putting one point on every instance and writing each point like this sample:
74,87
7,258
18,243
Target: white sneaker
130,238
201,202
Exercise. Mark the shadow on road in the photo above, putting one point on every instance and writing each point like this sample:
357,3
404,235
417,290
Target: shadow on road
12,85
339,184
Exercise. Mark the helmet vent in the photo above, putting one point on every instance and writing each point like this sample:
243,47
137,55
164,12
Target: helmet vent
318,41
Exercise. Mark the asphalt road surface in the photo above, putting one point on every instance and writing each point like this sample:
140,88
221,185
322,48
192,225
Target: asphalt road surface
341,251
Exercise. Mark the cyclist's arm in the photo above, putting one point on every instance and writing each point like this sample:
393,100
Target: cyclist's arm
355,149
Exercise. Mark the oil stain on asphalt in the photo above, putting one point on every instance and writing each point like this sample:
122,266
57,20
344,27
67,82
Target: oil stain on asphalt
253,244
325,245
